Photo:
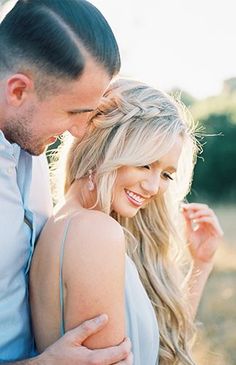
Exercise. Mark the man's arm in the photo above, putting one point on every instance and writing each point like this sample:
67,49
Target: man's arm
69,349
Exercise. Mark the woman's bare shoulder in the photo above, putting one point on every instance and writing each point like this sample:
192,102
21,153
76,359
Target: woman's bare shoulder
94,227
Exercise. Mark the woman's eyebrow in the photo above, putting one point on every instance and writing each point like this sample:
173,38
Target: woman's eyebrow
172,169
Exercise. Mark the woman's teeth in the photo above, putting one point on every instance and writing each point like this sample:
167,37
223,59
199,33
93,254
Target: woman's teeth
135,197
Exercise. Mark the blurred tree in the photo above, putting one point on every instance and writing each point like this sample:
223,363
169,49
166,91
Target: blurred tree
229,85
220,104
215,172
184,96
2,2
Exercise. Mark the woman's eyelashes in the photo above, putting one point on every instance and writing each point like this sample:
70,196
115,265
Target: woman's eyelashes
165,175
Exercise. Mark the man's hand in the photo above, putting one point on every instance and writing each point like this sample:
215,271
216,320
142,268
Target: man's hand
69,349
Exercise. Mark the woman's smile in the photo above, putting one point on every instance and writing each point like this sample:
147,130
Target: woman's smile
134,198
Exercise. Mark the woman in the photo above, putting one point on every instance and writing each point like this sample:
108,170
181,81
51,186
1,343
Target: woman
124,182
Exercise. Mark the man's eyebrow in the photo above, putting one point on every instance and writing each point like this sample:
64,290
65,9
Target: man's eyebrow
79,111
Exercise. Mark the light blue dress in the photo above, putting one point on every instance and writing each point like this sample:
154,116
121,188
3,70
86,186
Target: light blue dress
141,323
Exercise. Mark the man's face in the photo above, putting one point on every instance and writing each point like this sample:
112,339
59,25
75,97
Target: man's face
37,124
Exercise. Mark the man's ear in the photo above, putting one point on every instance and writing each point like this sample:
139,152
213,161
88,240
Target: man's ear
19,87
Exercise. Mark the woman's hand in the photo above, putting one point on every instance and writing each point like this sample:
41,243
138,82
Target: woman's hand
203,232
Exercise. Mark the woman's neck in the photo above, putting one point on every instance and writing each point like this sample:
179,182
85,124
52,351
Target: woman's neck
79,195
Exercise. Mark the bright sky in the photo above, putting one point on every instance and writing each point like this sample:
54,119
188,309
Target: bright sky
186,43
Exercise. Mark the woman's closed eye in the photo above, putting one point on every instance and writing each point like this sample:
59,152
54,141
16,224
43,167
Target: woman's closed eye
167,176
147,167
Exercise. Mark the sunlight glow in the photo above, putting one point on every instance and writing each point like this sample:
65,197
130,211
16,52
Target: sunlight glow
170,43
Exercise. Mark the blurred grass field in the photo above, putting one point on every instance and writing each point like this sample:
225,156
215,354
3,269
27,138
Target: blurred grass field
216,340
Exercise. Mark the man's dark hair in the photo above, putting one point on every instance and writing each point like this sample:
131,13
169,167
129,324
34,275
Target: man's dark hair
54,36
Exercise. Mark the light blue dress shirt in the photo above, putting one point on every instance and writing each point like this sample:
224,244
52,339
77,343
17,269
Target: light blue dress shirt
20,224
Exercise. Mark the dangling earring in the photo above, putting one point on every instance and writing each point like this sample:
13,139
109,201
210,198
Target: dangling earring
90,182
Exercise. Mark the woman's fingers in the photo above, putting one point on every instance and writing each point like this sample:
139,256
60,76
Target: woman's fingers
194,206
197,213
195,210
200,213
212,222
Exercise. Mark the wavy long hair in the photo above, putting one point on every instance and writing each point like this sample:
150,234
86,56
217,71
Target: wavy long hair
134,126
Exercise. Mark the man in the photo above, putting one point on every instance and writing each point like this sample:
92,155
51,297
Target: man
57,59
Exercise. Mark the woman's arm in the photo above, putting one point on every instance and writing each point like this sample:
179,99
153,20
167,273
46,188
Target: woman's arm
196,281
94,276
204,234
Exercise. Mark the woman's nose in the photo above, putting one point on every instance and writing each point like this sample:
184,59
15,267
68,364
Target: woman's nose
151,185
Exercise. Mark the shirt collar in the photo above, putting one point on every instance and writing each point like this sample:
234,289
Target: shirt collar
16,152
13,149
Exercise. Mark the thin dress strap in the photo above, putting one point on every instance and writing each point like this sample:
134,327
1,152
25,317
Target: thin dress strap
61,288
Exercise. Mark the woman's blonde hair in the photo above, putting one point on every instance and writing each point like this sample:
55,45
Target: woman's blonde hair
135,125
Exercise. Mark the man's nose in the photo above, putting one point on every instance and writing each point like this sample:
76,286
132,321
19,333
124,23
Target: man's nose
151,185
79,127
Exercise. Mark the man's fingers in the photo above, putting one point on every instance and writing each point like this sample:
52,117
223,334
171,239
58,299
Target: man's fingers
115,354
128,361
107,356
79,334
